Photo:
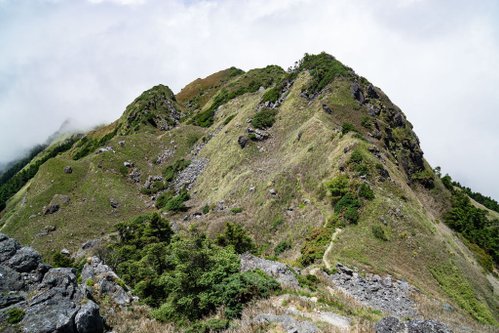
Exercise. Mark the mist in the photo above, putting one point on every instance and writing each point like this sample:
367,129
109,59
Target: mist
86,60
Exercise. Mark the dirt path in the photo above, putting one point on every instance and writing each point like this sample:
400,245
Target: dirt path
330,247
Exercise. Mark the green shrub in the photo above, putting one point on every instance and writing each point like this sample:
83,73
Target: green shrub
62,260
338,186
236,210
379,232
366,122
323,68
271,95
14,315
347,127
308,281
206,209
163,199
281,247
155,187
264,119
424,177
366,192
235,235
315,245
176,203
248,83
347,207
173,170
89,282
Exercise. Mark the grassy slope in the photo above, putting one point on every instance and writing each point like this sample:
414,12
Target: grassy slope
306,149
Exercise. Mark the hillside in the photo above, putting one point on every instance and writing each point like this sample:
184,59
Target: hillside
316,164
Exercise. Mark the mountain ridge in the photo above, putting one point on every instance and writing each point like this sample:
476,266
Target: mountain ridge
290,156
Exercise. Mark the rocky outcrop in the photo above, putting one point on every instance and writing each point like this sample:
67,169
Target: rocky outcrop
105,281
257,135
282,273
386,294
393,325
188,176
50,298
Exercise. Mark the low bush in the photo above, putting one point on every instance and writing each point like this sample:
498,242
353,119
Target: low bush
234,235
281,247
366,192
264,119
271,95
347,127
186,279
176,203
173,170
379,232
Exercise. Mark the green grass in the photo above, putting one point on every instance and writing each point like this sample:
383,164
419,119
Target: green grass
460,290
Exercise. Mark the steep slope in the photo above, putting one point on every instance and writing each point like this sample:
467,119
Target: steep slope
316,163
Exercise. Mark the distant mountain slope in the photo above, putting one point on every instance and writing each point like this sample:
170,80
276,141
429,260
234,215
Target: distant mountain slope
316,163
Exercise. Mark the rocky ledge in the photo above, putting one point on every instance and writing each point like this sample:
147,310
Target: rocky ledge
36,298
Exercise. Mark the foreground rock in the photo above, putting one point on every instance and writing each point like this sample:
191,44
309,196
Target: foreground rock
393,325
50,299
282,273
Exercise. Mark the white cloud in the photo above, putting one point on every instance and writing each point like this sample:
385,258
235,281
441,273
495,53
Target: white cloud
88,59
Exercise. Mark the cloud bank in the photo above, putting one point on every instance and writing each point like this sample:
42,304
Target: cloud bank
87,60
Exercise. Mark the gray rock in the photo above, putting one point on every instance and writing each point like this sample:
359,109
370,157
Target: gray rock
390,325
282,273
164,156
327,109
54,304
10,280
135,175
257,135
51,209
68,169
88,319
8,247
385,294
114,203
25,260
393,325
427,326
357,93
272,191
128,164
371,92
242,141
106,281
188,176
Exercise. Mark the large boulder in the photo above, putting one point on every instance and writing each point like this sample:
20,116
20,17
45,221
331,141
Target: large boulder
88,319
51,298
54,304
25,260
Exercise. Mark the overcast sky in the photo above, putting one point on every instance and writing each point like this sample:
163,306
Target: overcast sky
86,60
